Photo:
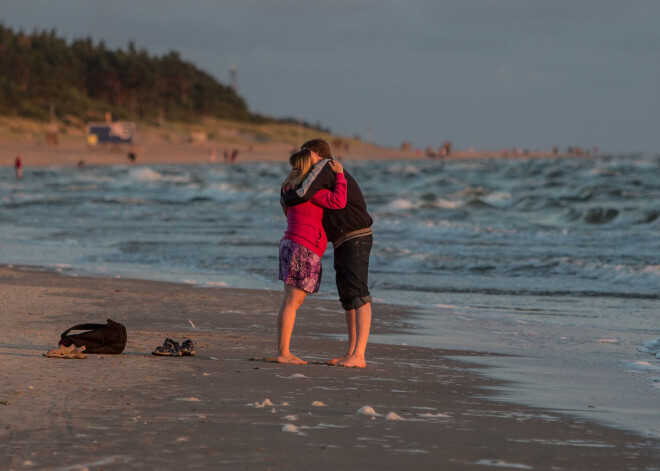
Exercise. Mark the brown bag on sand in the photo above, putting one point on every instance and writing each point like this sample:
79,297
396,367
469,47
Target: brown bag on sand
109,339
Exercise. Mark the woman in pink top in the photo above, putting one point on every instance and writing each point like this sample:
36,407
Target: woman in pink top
303,245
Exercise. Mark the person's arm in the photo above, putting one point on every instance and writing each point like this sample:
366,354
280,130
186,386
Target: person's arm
322,176
335,199
284,208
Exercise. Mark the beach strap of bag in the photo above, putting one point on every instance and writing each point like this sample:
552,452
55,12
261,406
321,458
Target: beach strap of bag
82,327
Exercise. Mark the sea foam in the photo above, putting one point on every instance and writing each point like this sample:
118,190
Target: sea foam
652,347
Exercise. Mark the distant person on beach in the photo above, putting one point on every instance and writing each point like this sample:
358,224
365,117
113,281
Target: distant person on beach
303,245
18,165
349,230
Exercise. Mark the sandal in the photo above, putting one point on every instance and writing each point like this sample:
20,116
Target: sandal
188,348
71,352
170,348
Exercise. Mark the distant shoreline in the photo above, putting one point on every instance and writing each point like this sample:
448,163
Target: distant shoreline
62,144
72,153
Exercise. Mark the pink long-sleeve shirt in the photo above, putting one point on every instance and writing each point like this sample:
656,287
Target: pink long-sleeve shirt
305,221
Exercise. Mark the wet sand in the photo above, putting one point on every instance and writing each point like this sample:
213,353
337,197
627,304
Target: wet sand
230,407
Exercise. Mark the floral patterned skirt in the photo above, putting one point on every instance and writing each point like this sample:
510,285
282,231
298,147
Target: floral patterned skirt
299,266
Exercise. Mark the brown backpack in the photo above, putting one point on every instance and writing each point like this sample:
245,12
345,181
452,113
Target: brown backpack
109,339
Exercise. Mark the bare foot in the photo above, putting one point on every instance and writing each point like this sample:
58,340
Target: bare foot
353,362
334,361
290,359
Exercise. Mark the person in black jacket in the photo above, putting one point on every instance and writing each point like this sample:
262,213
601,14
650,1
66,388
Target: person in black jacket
349,230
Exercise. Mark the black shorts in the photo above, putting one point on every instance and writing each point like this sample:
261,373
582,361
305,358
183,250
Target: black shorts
352,272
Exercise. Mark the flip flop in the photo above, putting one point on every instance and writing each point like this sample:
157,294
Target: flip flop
188,348
170,348
71,352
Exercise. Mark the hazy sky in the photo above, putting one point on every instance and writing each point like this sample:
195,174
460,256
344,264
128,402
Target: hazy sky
482,73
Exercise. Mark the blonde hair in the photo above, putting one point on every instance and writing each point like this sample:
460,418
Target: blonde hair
301,164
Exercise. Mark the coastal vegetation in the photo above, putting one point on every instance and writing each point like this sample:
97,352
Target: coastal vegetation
44,77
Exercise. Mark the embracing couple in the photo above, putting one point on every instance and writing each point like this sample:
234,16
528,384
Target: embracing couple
322,203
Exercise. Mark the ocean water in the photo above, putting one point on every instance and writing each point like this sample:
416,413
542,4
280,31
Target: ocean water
556,260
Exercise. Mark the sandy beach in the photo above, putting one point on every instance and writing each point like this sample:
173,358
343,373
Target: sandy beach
173,144
155,152
498,212
228,407
161,147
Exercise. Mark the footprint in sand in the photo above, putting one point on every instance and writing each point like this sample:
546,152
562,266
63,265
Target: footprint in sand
259,405
368,411
291,429
393,416
428,415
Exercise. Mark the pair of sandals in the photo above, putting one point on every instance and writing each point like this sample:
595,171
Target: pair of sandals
170,348
69,352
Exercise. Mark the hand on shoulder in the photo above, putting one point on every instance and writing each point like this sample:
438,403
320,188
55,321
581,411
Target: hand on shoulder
336,167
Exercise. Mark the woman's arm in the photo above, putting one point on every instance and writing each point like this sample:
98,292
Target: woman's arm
322,176
335,199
